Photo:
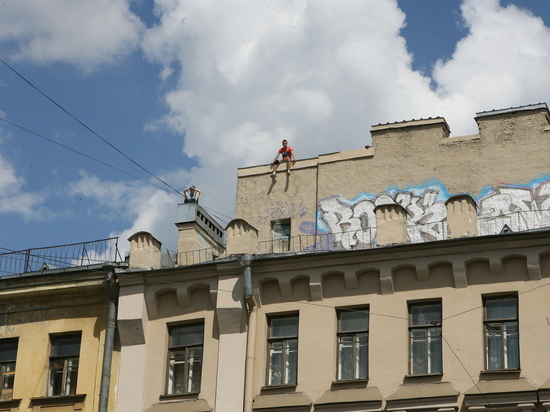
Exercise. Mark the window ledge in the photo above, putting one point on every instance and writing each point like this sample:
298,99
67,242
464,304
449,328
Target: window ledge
344,381
500,371
10,403
285,386
423,375
58,400
187,395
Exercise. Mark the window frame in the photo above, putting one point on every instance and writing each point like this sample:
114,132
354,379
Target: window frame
281,240
192,384
6,394
69,370
288,342
430,332
504,347
355,342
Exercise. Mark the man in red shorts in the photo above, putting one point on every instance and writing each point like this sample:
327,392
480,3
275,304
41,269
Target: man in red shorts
288,156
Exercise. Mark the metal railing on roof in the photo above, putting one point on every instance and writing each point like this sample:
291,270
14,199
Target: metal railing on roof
362,239
60,257
197,256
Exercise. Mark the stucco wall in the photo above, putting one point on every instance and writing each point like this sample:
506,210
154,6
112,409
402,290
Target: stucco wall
504,169
33,317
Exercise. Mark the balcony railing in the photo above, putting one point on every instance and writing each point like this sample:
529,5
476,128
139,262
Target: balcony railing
197,256
60,257
362,239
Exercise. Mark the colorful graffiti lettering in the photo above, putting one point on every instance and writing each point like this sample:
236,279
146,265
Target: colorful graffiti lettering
353,224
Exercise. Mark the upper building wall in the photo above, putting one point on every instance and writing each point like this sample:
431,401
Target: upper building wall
416,165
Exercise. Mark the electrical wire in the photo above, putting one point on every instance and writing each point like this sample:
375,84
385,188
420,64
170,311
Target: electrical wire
85,126
215,213
351,309
83,154
100,137
279,299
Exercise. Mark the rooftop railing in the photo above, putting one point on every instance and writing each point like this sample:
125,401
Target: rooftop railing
361,239
60,257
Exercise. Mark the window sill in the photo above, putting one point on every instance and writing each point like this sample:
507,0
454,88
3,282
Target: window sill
10,403
500,371
424,375
347,381
187,395
285,386
60,400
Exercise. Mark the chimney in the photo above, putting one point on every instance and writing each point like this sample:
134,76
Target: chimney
144,251
200,237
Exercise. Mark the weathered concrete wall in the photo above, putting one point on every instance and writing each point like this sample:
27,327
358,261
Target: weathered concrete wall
415,165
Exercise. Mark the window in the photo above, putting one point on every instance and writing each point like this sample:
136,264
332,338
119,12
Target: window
185,368
283,350
425,338
353,343
64,355
501,333
8,353
281,235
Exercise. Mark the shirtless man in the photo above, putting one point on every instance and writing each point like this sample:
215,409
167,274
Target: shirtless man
288,156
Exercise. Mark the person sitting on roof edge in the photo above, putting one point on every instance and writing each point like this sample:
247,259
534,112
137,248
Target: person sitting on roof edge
288,156
191,194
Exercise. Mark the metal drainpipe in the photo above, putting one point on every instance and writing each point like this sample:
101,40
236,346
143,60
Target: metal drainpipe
110,280
251,336
250,356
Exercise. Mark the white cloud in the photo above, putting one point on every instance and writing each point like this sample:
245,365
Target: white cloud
502,62
13,200
249,73
81,32
148,208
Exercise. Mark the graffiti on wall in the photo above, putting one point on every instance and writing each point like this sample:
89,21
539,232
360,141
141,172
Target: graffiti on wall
352,223
282,210
518,207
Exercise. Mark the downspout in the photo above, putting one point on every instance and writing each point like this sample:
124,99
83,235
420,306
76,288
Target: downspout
251,336
110,280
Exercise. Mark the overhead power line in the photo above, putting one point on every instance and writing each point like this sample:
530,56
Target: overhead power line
82,154
217,214
86,127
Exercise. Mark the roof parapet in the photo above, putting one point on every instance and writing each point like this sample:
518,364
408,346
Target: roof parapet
412,123
493,112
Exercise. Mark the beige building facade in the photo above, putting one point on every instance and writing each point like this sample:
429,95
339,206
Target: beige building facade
415,179
52,340
410,276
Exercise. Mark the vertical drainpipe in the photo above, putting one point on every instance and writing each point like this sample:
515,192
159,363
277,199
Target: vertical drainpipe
110,280
251,336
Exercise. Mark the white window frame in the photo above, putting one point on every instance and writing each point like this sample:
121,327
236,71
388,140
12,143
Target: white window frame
353,345
426,334
504,331
185,360
282,353
8,359
63,369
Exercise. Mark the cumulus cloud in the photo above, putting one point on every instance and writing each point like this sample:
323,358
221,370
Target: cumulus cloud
14,200
501,63
80,32
143,206
245,74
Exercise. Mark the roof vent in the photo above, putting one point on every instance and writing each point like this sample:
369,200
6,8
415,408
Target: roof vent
506,229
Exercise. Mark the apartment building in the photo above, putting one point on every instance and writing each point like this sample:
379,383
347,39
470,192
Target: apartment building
56,309
412,275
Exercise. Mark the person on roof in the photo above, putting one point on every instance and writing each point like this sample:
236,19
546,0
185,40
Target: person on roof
191,194
287,154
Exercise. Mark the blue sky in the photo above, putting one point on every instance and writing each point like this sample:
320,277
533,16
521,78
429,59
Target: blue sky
192,90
